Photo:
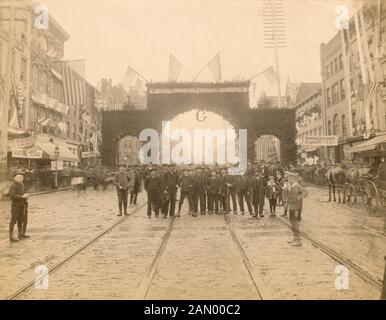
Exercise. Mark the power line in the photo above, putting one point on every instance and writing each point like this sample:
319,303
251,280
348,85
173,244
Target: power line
140,41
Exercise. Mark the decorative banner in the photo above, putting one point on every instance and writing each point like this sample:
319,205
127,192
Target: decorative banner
21,143
31,153
320,141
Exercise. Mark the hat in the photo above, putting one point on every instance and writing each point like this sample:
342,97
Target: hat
172,165
122,165
271,177
152,169
198,168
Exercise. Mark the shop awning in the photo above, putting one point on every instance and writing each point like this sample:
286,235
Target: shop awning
64,153
368,145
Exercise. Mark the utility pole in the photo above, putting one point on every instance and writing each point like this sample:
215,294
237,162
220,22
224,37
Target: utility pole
6,97
274,33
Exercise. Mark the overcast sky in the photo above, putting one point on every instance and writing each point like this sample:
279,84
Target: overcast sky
111,34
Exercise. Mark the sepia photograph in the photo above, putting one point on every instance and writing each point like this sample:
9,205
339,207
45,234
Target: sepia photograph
215,151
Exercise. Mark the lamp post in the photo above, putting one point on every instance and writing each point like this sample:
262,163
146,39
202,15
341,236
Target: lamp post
56,154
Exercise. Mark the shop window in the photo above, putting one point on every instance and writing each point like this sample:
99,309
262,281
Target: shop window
329,130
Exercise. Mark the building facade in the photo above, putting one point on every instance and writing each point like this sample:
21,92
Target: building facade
353,80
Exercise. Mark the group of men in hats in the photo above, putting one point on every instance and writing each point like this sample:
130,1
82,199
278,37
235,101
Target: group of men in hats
213,190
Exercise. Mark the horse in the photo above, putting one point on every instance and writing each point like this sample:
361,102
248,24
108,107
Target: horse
336,180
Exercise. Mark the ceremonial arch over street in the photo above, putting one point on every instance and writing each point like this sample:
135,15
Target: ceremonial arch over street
228,99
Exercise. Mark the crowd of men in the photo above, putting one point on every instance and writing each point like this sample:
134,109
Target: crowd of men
206,189
212,190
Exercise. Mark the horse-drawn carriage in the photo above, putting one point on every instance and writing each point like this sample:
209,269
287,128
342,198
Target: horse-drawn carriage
359,182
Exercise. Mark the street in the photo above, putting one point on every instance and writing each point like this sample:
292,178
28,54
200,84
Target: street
203,257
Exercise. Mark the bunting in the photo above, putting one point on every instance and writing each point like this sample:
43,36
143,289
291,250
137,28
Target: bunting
174,68
215,67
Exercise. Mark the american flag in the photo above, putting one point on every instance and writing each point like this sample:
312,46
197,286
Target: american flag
174,68
215,67
271,75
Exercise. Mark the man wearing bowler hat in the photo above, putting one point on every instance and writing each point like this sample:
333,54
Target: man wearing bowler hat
121,182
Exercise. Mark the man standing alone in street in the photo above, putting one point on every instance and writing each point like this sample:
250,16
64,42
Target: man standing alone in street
19,208
122,184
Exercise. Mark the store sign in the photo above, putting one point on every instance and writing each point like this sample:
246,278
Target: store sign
60,165
90,154
320,141
50,103
19,143
31,153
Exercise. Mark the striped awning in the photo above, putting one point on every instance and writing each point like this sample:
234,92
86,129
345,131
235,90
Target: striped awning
368,145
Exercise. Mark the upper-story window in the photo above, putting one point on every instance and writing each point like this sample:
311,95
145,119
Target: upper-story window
327,71
332,67
340,62
23,70
42,44
342,92
336,125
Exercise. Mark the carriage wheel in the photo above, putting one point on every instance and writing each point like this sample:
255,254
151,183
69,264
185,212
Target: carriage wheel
351,195
370,197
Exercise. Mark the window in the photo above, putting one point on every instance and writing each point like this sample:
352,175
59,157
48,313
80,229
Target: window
340,62
42,80
332,68
23,70
320,131
35,76
74,133
315,132
336,125
327,71
328,93
329,128
344,126
335,93
336,65
342,93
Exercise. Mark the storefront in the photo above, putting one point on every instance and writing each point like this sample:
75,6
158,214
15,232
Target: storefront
36,154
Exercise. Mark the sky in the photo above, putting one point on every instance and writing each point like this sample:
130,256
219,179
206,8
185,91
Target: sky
112,34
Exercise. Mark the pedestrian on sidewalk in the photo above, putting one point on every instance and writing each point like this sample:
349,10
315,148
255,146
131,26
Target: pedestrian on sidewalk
121,182
19,208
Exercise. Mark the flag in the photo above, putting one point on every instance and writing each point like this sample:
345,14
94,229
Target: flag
174,68
271,75
215,67
77,66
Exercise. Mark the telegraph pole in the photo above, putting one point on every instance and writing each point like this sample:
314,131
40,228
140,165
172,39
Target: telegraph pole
6,98
274,33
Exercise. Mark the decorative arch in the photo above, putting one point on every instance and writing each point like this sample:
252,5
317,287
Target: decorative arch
229,100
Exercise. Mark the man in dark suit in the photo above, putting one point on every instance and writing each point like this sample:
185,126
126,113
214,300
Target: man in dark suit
153,189
242,186
169,184
186,184
258,186
121,182
199,191
19,208
213,189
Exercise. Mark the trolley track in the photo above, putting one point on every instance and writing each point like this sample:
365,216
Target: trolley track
67,259
147,279
374,281
262,293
